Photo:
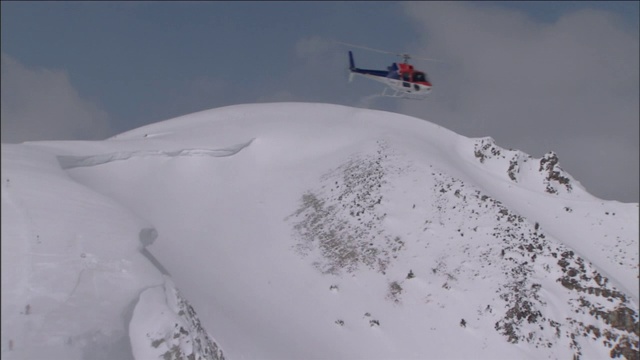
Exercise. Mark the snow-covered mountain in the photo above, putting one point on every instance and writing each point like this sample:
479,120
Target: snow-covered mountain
309,231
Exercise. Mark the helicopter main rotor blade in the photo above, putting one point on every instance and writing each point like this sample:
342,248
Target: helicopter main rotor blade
368,48
426,59
409,56
402,55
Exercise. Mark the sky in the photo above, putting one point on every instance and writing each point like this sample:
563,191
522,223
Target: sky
535,76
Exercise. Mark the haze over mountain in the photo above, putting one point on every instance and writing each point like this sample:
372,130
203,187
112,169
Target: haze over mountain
309,231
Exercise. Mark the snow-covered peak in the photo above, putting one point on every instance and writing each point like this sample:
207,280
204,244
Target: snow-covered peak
296,230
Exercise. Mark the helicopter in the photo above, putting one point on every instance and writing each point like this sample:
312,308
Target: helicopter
402,79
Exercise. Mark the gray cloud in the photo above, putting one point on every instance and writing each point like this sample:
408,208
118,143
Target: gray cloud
278,96
42,104
571,86
193,95
610,165
319,74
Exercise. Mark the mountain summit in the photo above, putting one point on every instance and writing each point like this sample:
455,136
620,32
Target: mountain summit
309,231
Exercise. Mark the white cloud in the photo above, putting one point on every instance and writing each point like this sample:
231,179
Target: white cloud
534,86
42,104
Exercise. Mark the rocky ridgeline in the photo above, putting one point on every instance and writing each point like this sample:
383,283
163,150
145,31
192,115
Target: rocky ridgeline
526,253
554,178
204,348
184,338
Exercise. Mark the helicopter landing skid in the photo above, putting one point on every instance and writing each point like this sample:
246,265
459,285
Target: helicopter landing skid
401,95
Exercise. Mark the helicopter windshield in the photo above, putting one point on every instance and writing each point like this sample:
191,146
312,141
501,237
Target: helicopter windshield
419,77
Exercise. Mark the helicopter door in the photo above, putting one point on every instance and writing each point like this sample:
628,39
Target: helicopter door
406,78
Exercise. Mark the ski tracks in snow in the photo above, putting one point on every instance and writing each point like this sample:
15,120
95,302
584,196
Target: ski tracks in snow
70,161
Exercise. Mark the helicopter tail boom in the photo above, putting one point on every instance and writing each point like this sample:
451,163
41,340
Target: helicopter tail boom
354,70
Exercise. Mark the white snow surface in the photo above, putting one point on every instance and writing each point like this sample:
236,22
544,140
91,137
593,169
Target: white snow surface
289,230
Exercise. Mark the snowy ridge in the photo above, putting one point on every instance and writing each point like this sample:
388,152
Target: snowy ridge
69,162
382,235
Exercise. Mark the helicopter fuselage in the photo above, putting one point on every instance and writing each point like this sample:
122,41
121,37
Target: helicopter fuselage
403,80
400,88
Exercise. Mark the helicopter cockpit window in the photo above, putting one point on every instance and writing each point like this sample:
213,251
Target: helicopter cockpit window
406,77
419,77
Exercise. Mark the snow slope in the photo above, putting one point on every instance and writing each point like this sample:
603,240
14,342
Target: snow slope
309,231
